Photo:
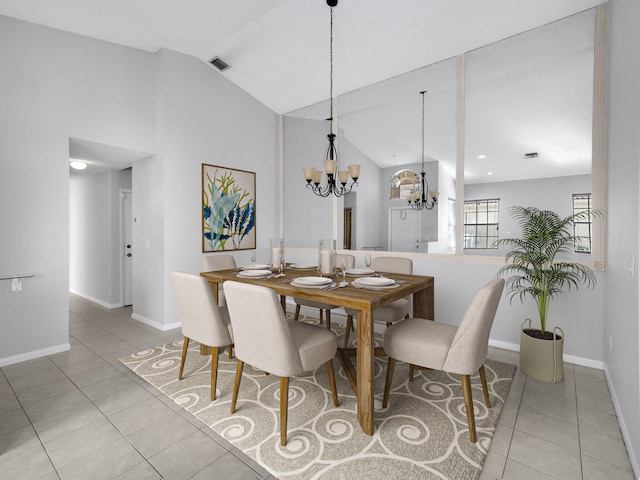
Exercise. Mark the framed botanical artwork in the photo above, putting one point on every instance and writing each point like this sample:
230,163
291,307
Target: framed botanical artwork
228,209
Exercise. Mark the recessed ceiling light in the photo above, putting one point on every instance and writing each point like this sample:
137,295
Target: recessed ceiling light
78,164
489,173
481,157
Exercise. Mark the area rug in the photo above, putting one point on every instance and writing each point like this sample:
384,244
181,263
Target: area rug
422,434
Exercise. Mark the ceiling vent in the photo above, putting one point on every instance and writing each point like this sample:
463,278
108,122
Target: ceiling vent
531,155
219,64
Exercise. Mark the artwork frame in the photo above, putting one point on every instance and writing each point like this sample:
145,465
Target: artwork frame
228,209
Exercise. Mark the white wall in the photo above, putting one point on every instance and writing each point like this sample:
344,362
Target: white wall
54,86
94,243
206,119
623,158
309,217
369,226
148,241
57,86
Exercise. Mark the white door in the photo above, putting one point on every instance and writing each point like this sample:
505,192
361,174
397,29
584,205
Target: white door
404,230
127,247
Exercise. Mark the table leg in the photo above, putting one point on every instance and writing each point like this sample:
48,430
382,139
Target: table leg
283,302
365,359
423,304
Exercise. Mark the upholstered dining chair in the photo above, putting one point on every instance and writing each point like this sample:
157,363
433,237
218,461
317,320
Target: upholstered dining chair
265,339
202,320
460,350
218,262
392,312
324,307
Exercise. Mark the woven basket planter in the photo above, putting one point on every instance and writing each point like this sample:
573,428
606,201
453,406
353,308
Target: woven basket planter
540,358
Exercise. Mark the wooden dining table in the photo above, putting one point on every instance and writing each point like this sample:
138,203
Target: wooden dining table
365,301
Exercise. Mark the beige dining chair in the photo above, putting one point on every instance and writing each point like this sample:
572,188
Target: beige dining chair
265,339
202,320
392,312
211,263
323,307
460,350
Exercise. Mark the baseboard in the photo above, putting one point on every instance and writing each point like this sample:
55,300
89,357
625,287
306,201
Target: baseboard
23,357
623,426
154,324
584,362
514,347
102,303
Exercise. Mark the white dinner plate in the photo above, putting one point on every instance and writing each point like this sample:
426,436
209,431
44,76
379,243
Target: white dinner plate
359,271
312,281
374,281
303,285
257,266
254,273
302,266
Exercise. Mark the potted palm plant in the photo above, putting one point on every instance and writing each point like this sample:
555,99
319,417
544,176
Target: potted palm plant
534,271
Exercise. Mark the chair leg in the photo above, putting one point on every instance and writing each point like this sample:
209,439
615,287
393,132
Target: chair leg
321,319
215,351
284,407
328,319
468,403
412,369
230,351
185,347
297,314
332,382
347,329
236,385
485,390
391,365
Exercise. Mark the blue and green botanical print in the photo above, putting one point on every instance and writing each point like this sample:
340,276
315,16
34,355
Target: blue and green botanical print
229,211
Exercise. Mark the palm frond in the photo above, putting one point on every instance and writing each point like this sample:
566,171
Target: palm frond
531,265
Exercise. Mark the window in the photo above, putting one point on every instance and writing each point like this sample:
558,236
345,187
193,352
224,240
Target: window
404,184
481,224
582,228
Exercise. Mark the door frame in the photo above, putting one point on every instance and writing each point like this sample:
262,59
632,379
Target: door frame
123,193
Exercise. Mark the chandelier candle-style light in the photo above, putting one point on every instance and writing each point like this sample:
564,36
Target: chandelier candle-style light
418,200
325,185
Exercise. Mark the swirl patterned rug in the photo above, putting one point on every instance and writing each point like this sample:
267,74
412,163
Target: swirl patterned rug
422,434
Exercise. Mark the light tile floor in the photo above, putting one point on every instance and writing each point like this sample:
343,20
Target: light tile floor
82,415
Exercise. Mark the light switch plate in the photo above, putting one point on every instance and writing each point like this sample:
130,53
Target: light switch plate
16,284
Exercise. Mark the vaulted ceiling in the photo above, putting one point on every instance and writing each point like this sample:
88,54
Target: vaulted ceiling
279,49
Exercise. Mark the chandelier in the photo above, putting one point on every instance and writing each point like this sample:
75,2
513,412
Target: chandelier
418,200
332,180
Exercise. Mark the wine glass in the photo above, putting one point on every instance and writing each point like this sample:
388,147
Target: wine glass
367,260
343,266
253,260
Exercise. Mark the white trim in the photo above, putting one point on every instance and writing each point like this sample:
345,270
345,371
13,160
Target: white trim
281,175
102,303
460,131
623,426
23,357
152,323
584,362
123,192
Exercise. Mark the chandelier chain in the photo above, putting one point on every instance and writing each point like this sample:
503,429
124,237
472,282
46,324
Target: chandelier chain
331,69
333,181
420,200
